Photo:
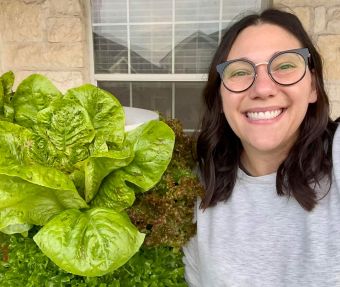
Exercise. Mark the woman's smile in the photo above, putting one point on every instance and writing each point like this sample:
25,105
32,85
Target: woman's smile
264,114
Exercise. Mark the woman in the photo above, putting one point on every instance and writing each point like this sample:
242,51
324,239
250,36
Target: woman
269,160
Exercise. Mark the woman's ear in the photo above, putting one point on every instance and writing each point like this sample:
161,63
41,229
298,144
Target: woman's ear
313,95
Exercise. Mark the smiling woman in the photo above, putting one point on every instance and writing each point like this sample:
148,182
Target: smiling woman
267,151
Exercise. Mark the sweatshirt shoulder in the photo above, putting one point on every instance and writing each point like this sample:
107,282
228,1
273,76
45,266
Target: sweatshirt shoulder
336,155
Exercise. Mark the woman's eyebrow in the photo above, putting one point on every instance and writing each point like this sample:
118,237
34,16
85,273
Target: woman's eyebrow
246,58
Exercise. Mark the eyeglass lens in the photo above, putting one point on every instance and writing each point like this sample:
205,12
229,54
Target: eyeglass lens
285,69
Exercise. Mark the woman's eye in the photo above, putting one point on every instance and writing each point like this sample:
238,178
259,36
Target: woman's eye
285,66
239,73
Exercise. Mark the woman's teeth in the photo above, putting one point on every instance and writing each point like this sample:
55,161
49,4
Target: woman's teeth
268,115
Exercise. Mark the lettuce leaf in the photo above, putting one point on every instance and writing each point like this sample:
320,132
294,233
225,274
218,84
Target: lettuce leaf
105,111
7,80
98,166
6,84
32,95
65,131
15,142
2,99
153,144
30,193
24,203
90,243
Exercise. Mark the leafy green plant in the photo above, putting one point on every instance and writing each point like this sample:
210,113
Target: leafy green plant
29,267
68,165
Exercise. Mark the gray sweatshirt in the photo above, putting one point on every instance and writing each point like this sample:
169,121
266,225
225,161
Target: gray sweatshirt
259,239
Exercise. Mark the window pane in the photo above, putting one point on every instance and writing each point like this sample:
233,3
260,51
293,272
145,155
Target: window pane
110,49
108,11
121,90
150,11
188,103
232,8
151,49
196,44
155,96
197,10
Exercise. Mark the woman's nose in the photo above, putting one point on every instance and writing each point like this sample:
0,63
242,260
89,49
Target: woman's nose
264,86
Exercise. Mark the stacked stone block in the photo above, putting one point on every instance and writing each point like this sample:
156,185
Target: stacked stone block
47,37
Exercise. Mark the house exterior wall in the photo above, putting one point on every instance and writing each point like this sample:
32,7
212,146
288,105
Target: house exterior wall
51,37
47,37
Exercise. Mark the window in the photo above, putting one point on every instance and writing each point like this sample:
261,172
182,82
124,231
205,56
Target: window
154,54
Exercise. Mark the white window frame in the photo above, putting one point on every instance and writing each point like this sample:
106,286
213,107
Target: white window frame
170,77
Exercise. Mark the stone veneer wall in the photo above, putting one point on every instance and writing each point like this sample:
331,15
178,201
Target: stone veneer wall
321,18
51,37
47,37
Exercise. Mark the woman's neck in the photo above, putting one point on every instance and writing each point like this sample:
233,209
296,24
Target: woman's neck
258,164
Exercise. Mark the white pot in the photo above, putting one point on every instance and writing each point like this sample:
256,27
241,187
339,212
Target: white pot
135,117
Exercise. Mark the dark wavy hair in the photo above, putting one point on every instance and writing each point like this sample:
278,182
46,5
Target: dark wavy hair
219,149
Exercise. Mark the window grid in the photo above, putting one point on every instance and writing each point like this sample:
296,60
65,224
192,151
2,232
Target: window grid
133,76
129,23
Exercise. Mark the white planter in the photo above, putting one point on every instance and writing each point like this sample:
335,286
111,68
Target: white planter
134,117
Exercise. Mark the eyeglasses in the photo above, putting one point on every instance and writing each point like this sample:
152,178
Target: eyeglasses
285,68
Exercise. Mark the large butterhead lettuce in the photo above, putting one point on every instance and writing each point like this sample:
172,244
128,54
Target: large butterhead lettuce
68,165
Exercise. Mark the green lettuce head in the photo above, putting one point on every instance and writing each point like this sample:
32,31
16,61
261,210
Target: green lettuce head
68,165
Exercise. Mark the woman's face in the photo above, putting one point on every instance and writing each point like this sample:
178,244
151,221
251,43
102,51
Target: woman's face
286,106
